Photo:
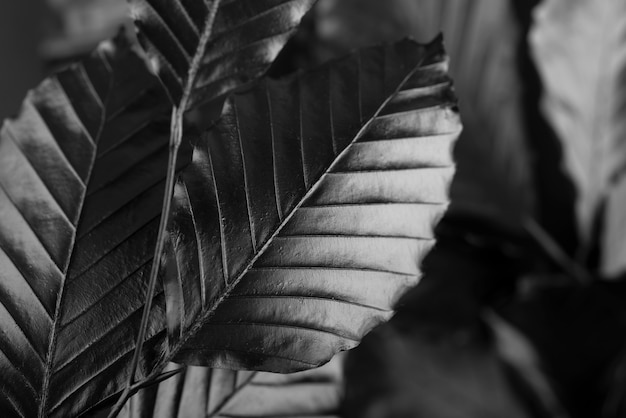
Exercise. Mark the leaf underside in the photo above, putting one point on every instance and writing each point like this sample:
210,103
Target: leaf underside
243,41
306,211
220,393
585,97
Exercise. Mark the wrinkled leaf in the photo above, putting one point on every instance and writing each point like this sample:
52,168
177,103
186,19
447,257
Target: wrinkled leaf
201,392
494,179
579,48
306,210
80,169
194,54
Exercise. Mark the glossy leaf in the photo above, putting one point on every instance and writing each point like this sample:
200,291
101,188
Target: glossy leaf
201,392
494,178
580,51
203,55
80,167
305,212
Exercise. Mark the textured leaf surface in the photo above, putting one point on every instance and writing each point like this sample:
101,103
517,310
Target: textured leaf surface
80,168
201,392
493,179
306,211
580,50
241,42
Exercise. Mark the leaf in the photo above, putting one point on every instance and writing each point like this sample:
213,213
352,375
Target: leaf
613,244
305,211
494,179
211,393
80,168
79,26
201,55
578,47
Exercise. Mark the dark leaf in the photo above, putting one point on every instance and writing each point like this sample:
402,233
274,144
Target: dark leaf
203,56
201,392
579,49
80,169
306,210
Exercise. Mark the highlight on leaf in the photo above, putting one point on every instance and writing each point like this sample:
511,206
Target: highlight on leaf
306,210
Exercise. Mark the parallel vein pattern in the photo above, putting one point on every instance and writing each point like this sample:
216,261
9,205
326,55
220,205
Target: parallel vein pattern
243,41
306,211
219,393
81,168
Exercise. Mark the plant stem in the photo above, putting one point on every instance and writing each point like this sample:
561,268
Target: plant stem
176,134
556,253
175,140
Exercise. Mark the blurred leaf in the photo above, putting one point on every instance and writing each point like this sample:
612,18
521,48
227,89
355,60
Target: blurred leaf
494,179
580,50
577,332
200,392
614,231
80,169
305,211
79,25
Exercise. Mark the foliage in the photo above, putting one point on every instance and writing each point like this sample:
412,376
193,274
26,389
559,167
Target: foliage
296,210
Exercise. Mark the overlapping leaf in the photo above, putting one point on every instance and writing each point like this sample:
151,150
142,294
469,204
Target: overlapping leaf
306,211
80,168
493,180
203,55
201,392
580,50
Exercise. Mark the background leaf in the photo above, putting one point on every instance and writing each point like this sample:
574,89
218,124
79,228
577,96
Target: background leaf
584,95
218,393
283,214
75,28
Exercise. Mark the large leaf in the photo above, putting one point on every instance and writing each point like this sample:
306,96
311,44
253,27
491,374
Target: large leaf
80,169
200,55
201,392
493,180
305,212
579,48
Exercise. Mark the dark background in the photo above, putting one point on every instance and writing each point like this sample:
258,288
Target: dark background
21,69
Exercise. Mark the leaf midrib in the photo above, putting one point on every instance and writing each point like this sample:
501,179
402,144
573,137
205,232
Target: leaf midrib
203,318
48,368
